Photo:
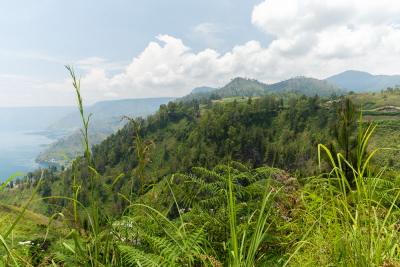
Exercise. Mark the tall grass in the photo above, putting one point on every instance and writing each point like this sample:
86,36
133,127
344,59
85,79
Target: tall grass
357,226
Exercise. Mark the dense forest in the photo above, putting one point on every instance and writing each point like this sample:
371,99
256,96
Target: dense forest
252,88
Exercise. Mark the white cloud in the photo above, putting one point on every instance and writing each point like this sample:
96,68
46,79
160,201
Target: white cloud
334,35
313,38
172,70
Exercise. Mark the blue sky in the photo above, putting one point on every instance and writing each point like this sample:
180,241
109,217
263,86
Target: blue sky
136,49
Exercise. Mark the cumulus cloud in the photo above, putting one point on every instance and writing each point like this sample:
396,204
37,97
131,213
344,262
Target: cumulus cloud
314,38
171,69
333,33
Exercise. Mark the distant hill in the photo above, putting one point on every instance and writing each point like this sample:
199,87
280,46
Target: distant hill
105,115
202,89
105,109
104,121
69,146
31,118
248,87
360,81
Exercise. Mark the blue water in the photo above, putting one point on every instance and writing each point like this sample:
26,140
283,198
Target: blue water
18,152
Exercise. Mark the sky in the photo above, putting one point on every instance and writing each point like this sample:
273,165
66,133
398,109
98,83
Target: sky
139,49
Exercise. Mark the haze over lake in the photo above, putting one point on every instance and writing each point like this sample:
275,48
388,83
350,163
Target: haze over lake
18,152
18,149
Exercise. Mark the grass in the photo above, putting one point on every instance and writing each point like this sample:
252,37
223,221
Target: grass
370,101
382,118
30,227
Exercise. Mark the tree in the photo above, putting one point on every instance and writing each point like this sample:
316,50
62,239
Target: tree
45,188
111,157
249,100
346,138
30,176
53,169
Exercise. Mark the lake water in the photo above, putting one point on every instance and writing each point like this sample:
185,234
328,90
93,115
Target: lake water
18,152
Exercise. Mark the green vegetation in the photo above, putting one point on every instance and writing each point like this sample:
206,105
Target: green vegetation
234,182
251,88
371,101
70,146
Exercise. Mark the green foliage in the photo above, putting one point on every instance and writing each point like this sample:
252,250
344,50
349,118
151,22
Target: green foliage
70,146
250,88
37,250
345,140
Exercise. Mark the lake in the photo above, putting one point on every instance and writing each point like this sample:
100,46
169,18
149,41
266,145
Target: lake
18,152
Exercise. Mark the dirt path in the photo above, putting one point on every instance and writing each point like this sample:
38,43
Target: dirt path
387,108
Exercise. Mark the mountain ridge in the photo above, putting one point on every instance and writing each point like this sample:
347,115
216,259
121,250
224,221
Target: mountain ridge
252,87
361,81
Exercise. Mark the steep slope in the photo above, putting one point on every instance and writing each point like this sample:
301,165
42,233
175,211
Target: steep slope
32,226
255,132
248,87
202,89
360,81
69,146
105,120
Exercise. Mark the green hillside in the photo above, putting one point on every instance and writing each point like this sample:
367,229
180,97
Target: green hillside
202,89
187,184
251,88
69,146
370,101
31,227
110,125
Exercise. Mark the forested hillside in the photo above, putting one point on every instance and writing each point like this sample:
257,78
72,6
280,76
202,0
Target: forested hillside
251,88
252,155
70,146
256,132
237,88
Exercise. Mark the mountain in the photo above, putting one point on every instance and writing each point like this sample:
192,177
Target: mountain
360,81
31,118
104,121
250,87
105,116
69,146
116,108
202,89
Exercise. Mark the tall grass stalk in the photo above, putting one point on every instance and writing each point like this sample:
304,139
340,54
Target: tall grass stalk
91,259
365,233
142,148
